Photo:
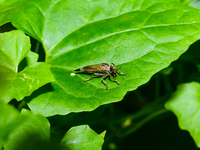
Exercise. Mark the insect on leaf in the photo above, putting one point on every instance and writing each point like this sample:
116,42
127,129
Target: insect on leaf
142,36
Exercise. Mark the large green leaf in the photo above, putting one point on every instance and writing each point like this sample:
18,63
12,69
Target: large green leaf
185,104
142,36
15,47
10,119
82,137
8,8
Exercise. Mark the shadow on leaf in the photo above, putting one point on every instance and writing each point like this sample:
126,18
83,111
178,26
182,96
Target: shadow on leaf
44,89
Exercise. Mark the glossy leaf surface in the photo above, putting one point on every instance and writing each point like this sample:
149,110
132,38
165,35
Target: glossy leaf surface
142,36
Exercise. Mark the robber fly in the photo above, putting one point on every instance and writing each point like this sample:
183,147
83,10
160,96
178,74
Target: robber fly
104,70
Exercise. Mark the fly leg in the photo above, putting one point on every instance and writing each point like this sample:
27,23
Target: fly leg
120,71
103,77
116,80
113,78
99,74
89,78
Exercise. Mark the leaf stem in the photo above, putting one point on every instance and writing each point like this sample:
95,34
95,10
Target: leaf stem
37,47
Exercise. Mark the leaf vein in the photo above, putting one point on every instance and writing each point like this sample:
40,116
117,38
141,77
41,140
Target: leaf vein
109,35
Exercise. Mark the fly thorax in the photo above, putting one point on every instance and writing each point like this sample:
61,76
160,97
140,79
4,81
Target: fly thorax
81,69
105,67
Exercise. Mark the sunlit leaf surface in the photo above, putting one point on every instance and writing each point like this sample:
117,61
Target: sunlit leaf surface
9,8
142,36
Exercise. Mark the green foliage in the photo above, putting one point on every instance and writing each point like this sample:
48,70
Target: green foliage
142,36
10,119
36,129
15,46
34,134
8,8
185,104
127,34
78,138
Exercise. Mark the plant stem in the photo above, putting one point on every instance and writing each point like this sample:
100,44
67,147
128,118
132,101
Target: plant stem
135,127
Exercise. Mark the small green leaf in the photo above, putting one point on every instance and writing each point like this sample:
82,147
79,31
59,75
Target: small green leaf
31,135
14,47
82,138
142,36
103,134
10,119
31,58
185,104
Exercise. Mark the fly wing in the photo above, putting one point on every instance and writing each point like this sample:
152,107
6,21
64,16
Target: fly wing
99,67
92,68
